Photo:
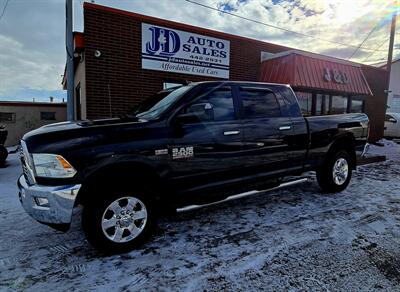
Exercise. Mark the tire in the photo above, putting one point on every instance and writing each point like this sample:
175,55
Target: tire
120,207
335,174
3,154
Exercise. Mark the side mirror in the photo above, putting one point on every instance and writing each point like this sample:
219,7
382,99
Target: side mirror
198,112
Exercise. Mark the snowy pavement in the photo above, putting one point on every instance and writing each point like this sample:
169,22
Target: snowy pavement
291,239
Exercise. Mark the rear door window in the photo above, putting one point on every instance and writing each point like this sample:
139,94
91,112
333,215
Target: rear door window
259,103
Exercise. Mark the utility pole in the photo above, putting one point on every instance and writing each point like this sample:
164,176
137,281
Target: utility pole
391,44
70,60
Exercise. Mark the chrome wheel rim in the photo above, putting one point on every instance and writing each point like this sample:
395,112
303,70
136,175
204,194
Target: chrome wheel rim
340,171
124,219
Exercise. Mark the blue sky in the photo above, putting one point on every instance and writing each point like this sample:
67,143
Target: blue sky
32,41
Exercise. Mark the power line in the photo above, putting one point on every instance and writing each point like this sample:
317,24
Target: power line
365,39
389,38
373,53
274,26
4,9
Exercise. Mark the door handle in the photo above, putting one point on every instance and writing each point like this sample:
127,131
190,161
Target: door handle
284,128
230,133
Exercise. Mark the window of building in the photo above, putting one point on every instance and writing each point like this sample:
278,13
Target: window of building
48,116
305,102
7,117
338,105
357,106
220,104
259,103
322,103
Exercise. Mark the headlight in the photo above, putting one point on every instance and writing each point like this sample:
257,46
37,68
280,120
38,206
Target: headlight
52,165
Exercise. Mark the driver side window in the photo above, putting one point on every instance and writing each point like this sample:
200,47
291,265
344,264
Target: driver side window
215,106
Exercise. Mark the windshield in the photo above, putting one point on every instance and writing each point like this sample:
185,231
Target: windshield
162,105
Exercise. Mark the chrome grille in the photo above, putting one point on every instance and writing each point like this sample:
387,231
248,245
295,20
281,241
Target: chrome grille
26,168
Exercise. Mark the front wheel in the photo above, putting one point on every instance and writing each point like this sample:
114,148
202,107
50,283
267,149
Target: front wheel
120,222
335,174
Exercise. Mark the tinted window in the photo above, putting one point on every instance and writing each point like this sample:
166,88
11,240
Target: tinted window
293,109
220,102
259,103
305,102
162,105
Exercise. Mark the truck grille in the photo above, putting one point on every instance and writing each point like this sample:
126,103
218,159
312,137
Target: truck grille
26,168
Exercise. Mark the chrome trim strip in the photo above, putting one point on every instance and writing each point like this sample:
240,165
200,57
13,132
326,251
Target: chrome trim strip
242,195
283,128
229,133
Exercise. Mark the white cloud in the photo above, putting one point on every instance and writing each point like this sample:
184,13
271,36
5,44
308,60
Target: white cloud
32,52
24,68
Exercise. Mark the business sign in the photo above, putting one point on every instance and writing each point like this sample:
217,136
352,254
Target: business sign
171,50
337,76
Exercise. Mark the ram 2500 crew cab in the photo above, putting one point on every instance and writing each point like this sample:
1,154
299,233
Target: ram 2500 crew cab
187,146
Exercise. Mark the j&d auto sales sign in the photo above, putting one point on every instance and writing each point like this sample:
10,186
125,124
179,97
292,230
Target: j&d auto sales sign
172,50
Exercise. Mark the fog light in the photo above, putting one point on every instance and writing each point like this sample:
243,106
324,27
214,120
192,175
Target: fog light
42,202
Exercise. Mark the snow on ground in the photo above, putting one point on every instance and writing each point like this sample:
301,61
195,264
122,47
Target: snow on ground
291,239
390,149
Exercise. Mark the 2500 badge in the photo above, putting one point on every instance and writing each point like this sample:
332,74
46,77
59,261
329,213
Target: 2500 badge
182,152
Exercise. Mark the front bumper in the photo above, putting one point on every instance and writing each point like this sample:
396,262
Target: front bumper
51,205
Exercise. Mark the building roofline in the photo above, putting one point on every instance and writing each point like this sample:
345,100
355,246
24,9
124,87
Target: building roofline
179,25
30,103
312,55
384,65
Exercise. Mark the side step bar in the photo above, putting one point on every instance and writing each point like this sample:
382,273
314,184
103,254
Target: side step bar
242,195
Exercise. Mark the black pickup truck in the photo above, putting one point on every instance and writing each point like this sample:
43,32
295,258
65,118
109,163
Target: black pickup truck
185,147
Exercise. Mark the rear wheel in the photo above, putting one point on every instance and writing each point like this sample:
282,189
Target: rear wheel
120,221
335,174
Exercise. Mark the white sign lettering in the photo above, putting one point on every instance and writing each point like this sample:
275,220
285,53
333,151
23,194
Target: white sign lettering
337,76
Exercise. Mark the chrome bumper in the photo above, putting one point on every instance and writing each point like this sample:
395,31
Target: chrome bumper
50,205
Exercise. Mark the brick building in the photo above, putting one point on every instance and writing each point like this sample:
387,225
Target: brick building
122,58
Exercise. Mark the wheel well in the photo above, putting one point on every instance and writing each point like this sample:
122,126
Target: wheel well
344,143
122,174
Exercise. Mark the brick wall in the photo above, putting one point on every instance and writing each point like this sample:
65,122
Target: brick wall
117,77
115,82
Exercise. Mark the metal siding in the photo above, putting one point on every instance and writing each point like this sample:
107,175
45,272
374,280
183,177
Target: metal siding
307,72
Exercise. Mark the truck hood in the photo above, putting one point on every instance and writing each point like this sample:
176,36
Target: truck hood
65,126
57,137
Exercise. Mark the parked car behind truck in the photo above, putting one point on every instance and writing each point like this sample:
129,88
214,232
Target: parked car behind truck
191,146
392,125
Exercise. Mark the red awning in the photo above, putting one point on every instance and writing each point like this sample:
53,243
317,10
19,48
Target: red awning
315,72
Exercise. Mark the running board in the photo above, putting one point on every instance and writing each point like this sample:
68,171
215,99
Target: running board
242,195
